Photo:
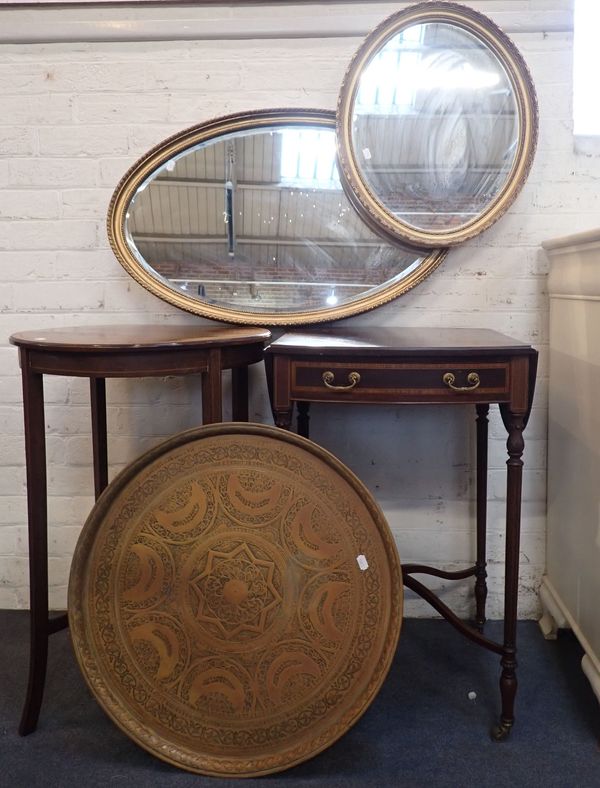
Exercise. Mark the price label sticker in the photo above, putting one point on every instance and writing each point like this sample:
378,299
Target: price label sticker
362,562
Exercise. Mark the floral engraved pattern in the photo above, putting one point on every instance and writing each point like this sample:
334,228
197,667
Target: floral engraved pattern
218,611
294,669
185,512
148,573
252,497
236,591
160,645
219,688
308,535
326,608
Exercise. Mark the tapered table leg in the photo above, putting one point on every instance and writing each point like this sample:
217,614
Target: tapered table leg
239,393
508,679
303,419
482,472
99,439
211,389
35,459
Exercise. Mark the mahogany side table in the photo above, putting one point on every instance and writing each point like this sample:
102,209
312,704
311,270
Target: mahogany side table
98,353
444,366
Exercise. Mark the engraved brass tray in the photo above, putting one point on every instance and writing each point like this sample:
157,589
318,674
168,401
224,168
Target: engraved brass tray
235,600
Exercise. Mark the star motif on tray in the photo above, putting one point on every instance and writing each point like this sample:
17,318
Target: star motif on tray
235,591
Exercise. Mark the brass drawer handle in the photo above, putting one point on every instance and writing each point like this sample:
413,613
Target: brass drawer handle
328,378
472,378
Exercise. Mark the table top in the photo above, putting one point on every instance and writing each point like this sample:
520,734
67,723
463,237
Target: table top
137,337
392,341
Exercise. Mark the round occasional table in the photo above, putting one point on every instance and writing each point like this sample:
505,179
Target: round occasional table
100,352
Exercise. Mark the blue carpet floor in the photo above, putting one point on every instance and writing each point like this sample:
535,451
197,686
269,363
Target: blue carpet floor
422,729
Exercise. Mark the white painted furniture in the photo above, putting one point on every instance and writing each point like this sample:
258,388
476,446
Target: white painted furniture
570,591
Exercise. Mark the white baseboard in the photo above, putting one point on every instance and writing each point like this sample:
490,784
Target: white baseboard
592,673
555,616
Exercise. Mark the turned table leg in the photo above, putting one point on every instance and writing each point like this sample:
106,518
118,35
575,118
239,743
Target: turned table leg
283,418
482,472
35,459
508,680
303,419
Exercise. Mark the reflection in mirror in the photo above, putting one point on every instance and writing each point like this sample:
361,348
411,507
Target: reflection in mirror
257,221
435,125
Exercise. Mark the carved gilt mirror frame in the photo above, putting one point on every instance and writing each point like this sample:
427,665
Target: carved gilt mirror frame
320,261
482,41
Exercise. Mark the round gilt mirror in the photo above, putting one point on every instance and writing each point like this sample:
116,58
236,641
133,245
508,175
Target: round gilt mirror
437,125
244,219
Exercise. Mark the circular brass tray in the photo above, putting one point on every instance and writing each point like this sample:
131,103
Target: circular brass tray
235,600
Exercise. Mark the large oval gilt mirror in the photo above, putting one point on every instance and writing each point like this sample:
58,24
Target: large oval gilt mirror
244,219
437,124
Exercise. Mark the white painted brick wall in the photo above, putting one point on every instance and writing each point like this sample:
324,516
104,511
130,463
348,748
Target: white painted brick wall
76,115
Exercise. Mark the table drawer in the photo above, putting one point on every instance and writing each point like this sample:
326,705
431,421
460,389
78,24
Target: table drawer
364,381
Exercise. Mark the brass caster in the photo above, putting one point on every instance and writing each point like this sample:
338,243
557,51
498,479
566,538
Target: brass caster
501,731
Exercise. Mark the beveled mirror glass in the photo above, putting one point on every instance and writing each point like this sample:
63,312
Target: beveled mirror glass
244,219
437,124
